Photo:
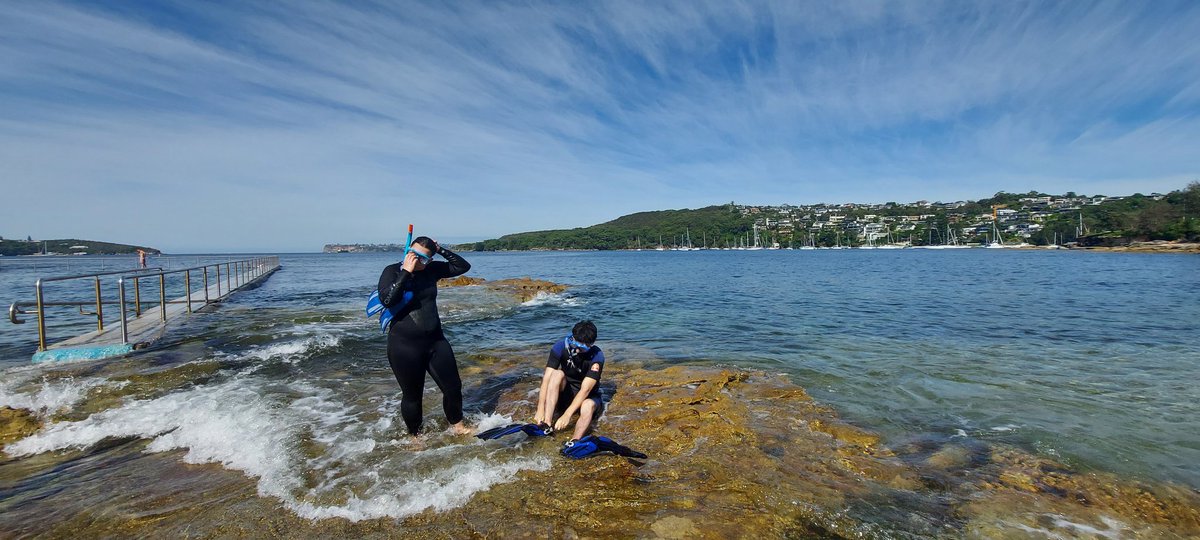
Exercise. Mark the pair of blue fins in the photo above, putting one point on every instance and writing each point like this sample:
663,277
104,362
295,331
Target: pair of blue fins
587,446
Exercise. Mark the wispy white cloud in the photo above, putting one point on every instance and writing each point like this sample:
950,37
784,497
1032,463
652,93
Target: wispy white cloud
303,123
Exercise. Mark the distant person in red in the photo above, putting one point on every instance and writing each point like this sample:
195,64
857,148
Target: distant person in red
142,258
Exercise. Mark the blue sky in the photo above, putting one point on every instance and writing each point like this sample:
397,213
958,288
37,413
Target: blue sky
199,126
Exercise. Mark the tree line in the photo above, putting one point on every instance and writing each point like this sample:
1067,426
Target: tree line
1174,217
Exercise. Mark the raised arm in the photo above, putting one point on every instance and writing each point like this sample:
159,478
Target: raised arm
391,284
455,265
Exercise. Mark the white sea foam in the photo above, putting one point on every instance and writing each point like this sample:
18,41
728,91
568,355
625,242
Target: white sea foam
443,490
543,298
486,421
1065,528
295,350
52,396
241,425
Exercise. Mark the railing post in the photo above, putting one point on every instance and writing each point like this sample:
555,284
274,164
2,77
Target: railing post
41,316
162,297
99,307
124,326
238,273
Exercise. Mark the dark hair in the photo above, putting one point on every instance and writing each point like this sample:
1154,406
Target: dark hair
584,332
427,243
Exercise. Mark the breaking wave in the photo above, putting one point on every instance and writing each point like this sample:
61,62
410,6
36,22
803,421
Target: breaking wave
244,425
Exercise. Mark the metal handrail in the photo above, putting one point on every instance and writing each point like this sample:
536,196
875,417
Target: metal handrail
256,267
114,272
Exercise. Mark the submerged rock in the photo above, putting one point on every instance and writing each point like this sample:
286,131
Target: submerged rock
139,386
675,527
950,457
16,424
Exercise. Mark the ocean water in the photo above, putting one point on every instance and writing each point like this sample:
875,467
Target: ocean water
1087,358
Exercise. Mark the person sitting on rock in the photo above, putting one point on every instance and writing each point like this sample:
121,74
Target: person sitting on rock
571,382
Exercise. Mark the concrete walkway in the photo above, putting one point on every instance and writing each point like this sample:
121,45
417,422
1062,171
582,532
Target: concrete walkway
151,325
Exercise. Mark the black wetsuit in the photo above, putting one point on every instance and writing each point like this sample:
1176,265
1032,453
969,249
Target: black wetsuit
577,366
415,341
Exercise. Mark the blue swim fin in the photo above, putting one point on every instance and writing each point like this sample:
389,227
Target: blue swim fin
537,430
579,449
497,432
592,444
604,444
532,430
375,307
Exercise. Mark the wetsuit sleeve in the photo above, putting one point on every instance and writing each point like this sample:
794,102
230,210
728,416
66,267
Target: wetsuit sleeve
556,354
597,366
455,265
391,284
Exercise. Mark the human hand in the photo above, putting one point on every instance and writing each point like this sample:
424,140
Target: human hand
410,262
563,421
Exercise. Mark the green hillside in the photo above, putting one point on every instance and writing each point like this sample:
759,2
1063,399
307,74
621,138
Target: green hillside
67,246
717,225
1035,218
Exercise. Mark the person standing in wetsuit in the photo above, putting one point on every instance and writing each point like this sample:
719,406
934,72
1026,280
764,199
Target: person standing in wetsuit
415,343
571,381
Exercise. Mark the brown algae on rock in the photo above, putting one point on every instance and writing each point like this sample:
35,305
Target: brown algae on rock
523,288
16,424
732,453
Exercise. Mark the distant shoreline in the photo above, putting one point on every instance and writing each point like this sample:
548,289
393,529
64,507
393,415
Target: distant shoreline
69,247
1135,247
1148,247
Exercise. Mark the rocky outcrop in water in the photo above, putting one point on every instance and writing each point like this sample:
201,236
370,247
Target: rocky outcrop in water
737,453
524,288
732,453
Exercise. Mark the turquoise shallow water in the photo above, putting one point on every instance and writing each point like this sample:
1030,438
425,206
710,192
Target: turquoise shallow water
1090,358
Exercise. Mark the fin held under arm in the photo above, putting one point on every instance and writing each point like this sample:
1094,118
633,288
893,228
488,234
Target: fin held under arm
376,307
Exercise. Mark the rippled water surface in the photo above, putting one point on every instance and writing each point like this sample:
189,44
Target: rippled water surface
1089,358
